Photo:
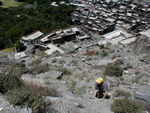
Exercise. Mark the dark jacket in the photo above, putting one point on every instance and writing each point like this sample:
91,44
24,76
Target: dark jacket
101,87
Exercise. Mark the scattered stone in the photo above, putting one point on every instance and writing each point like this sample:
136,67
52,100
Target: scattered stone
130,71
52,99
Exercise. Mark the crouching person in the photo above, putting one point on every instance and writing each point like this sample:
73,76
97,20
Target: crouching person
101,89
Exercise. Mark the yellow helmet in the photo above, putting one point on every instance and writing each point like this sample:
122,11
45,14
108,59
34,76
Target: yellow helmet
99,80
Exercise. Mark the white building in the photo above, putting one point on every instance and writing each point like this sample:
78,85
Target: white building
32,37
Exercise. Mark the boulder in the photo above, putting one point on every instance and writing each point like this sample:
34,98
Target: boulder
145,58
50,74
143,99
28,79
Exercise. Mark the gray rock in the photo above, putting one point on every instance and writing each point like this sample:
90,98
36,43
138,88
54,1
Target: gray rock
52,99
143,99
25,110
56,74
50,74
5,107
141,96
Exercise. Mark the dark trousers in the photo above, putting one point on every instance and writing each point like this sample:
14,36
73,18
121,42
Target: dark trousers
99,94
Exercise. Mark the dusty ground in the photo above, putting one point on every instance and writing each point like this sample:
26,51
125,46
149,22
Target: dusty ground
80,69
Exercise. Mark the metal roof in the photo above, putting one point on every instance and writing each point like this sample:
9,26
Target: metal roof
33,36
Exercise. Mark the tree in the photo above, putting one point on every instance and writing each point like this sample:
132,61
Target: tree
1,3
2,44
14,33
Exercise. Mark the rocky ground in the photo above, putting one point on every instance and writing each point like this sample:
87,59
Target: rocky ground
73,76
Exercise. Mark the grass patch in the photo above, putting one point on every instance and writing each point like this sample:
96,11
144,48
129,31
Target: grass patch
125,106
121,93
37,69
10,3
111,70
31,96
8,80
73,85
35,62
8,50
27,97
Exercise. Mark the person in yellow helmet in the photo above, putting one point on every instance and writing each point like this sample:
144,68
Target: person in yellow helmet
101,88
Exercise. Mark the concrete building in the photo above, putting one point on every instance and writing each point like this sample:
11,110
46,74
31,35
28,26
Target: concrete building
32,38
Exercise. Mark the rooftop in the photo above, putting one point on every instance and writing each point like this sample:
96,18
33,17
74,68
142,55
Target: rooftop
33,36
146,33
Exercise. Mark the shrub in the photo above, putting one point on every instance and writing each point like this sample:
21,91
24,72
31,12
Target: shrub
20,69
46,91
26,96
35,62
8,80
1,3
123,93
73,85
111,70
20,64
37,69
125,106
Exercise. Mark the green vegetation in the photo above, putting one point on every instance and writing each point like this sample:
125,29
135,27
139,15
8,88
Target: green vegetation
10,3
23,20
8,80
19,93
41,1
123,93
31,96
125,106
73,85
26,96
37,69
7,50
112,70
